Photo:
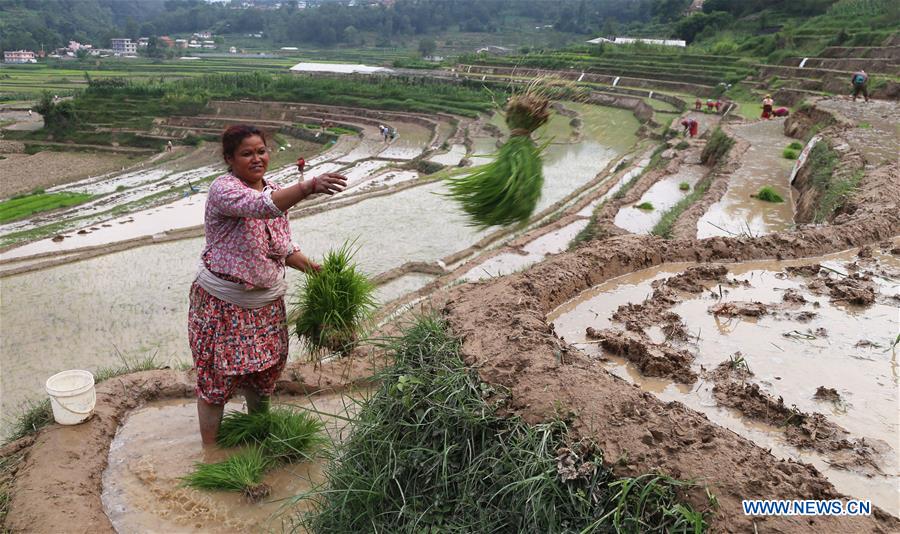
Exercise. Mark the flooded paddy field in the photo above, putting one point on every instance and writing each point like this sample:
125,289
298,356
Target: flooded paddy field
133,303
739,341
738,213
661,196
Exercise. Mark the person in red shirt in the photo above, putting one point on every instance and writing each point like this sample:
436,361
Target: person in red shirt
691,127
698,105
237,326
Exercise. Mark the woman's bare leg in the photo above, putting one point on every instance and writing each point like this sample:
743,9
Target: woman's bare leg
256,403
210,416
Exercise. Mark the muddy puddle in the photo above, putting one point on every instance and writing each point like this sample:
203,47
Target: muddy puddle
738,213
877,132
159,443
803,341
661,196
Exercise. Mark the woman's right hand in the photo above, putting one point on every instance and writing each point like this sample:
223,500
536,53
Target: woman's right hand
328,183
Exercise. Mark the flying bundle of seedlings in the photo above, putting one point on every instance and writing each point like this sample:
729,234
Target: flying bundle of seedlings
241,472
507,190
273,437
334,303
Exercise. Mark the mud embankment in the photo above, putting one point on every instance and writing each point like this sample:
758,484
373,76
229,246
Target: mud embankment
808,193
506,337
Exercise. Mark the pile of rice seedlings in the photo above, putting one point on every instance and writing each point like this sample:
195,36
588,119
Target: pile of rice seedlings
333,304
795,145
684,186
273,437
645,206
428,453
241,472
789,153
506,190
768,194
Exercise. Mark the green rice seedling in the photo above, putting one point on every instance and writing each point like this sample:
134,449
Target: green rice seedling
239,428
285,434
796,145
506,190
293,435
864,125
768,194
684,186
645,206
789,153
241,472
682,145
334,303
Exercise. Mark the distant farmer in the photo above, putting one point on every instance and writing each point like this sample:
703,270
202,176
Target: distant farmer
719,105
169,145
710,105
29,113
698,105
860,80
237,326
690,127
767,104
781,112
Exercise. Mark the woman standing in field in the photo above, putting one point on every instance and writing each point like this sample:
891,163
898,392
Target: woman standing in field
237,326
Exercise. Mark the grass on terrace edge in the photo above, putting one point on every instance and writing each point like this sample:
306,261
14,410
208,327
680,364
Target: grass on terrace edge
428,450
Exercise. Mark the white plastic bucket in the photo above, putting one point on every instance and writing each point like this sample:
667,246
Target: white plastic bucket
72,396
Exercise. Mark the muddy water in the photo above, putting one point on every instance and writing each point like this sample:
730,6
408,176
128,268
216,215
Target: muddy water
452,157
534,252
159,443
662,195
791,367
402,286
877,132
737,213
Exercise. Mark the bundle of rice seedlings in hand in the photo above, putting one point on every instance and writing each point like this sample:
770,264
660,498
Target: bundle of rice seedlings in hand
242,472
334,303
506,190
284,434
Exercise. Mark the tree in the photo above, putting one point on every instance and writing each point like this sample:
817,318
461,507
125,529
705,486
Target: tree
427,47
351,36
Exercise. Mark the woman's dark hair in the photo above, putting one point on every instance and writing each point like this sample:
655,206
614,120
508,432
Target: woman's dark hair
234,135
